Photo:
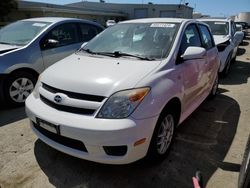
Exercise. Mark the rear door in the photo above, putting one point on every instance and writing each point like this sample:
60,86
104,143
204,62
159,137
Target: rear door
210,68
68,42
88,31
191,70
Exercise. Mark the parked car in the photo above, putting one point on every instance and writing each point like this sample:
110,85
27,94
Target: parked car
120,102
227,40
29,46
240,28
110,23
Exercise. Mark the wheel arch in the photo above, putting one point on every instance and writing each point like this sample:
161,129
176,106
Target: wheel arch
175,105
28,70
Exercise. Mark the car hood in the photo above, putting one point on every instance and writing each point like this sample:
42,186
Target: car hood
218,39
97,75
6,48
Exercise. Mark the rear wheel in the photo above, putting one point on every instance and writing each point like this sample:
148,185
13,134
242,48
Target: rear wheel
214,90
162,137
17,88
226,69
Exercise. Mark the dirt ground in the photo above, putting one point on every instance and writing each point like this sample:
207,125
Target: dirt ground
212,139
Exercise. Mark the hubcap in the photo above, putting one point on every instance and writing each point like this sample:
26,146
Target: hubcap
20,89
165,134
215,86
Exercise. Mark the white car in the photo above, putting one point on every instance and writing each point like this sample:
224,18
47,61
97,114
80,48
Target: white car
110,23
227,40
120,102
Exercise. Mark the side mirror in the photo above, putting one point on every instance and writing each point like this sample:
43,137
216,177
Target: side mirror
51,43
193,52
84,44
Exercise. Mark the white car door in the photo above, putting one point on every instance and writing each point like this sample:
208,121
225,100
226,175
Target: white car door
191,70
211,66
59,43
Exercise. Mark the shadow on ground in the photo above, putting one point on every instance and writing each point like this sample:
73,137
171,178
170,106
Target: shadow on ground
244,43
241,51
10,115
239,73
202,142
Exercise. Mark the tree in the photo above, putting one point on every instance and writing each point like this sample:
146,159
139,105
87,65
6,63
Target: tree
6,6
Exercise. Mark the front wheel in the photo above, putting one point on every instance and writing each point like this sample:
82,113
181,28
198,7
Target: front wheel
162,137
18,87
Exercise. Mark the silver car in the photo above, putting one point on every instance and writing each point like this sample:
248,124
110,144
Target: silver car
27,47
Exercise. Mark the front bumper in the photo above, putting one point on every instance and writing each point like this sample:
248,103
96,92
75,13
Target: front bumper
94,133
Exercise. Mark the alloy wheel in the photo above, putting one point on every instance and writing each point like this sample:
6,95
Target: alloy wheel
165,134
20,89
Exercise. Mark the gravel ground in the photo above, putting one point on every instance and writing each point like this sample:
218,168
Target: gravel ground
212,139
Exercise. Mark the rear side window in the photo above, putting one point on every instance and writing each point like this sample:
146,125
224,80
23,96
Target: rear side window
88,31
206,37
190,38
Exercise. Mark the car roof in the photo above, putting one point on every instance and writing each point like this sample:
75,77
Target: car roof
52,19
150,20
215,19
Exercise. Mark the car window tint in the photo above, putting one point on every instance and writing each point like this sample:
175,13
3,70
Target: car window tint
87,32
206,37
190,38
65,34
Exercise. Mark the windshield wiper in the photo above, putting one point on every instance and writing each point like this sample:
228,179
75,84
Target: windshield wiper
118,54
7,43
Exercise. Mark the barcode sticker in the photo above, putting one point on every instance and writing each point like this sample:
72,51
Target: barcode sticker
162,25
39,24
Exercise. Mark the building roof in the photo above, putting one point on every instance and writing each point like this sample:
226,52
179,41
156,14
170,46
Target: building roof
37,6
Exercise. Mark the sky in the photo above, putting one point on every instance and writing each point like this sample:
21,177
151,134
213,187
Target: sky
210,7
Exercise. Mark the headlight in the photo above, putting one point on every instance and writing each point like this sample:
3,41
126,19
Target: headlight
122,104
36,89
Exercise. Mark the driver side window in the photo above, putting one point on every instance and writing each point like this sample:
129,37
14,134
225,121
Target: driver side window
65,34
191,37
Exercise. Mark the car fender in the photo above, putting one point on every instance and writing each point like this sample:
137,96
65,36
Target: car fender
165,85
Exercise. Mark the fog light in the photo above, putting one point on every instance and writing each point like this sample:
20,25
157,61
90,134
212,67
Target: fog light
115,150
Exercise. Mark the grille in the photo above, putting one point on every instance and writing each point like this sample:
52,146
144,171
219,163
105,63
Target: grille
67,108
74,95
69,142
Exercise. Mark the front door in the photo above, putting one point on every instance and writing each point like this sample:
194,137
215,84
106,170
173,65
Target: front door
67,40
192,70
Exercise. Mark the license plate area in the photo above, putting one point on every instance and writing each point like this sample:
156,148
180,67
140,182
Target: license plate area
48,126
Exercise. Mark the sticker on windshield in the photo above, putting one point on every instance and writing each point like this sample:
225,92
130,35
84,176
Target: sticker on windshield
161,25
39,24
219,23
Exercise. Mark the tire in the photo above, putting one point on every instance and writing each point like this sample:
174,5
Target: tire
17,87
165,128
244,176
214,89
226,69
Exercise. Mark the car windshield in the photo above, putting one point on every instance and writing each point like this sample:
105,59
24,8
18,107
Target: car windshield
139,40
218,27
21,32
